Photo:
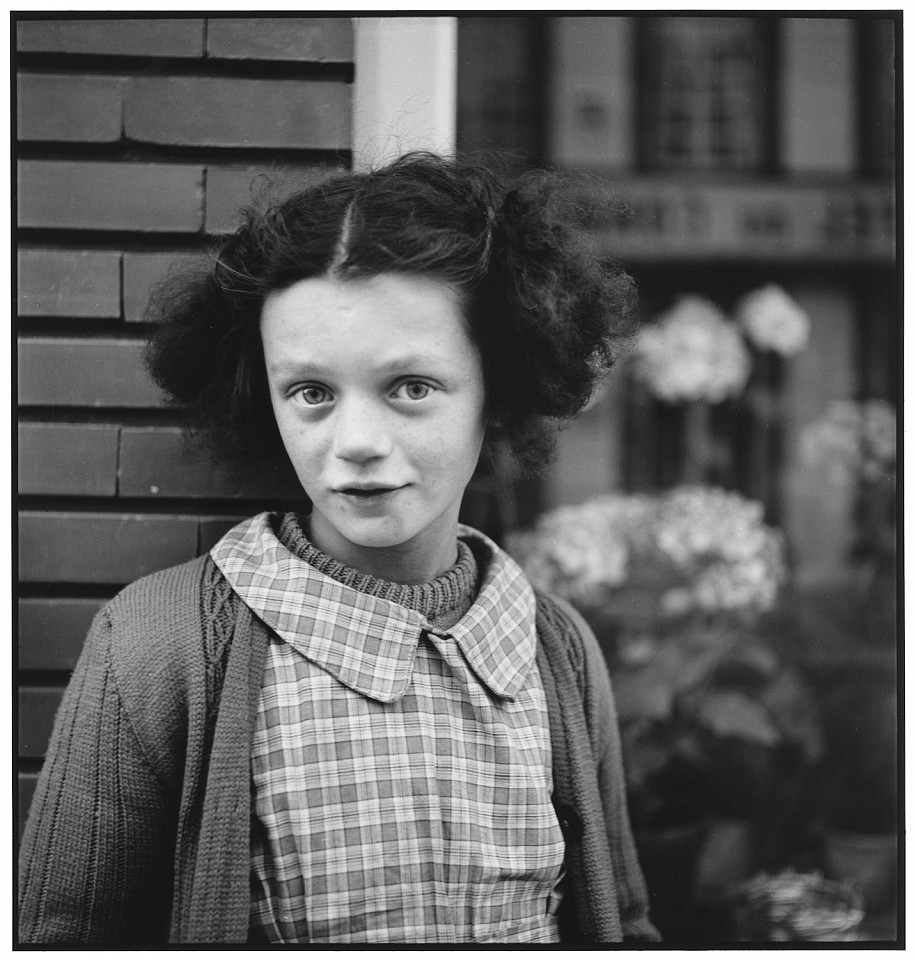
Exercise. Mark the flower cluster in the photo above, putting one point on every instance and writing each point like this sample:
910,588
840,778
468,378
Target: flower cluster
692,353
703,549
580,552
772,320
853,439
717,541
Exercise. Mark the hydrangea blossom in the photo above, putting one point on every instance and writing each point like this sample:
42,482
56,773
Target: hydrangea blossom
579,552
693,353
717,541
705,550
772,320
853,439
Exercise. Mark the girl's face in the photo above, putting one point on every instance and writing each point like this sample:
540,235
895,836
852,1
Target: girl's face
378,393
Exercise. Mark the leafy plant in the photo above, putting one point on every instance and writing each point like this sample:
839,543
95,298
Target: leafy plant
712,722
675,583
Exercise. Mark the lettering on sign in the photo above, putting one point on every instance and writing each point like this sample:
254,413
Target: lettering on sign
763,220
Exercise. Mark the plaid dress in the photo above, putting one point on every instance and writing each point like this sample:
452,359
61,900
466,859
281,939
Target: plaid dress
401,775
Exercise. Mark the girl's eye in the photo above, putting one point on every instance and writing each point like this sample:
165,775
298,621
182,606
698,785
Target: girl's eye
413,390
312,395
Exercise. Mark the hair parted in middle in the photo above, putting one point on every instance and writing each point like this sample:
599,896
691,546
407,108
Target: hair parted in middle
547,313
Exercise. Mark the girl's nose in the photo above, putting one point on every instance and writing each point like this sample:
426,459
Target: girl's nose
360,432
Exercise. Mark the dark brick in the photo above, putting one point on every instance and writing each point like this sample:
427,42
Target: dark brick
52,632
37,709
231,188
64,283
85,373
310,39
212,531
27,784
110,196
138,36
68,459
238,113
156,462
101,548
69,108
143,271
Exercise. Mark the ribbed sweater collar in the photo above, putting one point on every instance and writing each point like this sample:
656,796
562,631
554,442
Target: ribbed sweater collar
443,601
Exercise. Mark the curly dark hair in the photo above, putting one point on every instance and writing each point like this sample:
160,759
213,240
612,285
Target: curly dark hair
547,313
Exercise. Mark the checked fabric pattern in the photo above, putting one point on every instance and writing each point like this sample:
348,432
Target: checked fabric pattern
401,777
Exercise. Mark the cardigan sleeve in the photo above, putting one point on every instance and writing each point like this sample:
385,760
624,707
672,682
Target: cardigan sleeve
603,726
96,857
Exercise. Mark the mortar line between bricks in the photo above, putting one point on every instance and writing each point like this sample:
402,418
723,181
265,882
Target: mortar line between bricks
190,246
48,507
164,417
141,152
45,679
128,241
152,508
58,591
129,68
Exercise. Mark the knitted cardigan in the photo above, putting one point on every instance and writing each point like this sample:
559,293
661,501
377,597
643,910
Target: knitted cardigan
138,833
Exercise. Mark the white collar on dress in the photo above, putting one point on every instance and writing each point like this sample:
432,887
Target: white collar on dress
369,643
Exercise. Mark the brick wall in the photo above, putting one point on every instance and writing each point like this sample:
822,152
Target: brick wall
138,139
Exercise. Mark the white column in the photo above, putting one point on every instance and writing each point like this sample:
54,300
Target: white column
405,95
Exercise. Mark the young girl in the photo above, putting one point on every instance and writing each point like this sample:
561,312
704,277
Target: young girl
360,724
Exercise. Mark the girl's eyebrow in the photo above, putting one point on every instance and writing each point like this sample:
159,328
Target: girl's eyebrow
413,360
297,367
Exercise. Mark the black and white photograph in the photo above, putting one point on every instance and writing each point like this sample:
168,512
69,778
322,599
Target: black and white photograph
457,479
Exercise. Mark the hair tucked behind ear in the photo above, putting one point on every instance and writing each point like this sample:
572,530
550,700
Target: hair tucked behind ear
547,312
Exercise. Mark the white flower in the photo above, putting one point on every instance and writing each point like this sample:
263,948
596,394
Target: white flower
852,440
878,426
580,552
717,541
692,353
703,548
772,320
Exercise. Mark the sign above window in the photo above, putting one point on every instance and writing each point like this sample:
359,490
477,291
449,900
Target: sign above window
757,221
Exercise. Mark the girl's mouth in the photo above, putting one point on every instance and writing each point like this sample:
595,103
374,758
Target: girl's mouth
368,493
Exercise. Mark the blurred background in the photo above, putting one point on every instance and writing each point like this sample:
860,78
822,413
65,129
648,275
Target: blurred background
724,510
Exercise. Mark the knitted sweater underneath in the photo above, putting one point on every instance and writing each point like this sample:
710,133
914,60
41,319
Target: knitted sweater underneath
443,601
138,833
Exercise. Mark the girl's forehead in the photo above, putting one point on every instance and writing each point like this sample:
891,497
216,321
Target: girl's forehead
383,319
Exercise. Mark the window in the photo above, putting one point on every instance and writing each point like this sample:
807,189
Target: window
704,82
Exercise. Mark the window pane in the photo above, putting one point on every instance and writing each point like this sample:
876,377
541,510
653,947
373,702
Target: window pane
704,90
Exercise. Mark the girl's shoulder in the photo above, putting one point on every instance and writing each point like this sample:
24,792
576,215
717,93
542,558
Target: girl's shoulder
166,596
152,630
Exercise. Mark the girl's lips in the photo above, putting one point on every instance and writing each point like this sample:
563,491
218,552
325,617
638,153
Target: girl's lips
368,494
